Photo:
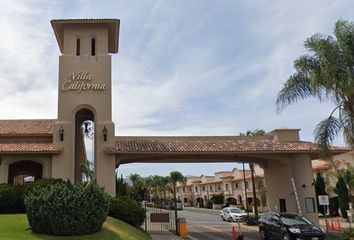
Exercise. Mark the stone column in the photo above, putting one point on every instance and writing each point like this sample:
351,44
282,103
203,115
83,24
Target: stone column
278,174
302,172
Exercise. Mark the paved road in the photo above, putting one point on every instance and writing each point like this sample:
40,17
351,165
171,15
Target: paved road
207,225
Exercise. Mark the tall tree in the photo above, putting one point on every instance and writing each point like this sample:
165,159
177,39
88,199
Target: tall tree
262,191
343,199
176,177
320,189
327,73
255,132
121,186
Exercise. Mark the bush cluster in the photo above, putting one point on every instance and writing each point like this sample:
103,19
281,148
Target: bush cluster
66,209
127,210
12,197
9,199
218,199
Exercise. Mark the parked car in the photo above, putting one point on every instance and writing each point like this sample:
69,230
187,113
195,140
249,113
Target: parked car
232,214
170,205
288,226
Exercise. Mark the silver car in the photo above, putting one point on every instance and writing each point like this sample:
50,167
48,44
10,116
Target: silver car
232,214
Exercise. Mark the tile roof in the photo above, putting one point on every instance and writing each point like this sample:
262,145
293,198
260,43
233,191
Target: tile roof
29,127
27,136
40,145
211,144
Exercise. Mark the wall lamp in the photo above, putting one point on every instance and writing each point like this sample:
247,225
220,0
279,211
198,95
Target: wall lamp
61,133
104,131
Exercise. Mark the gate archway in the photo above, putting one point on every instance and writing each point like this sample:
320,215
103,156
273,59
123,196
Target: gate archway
22,170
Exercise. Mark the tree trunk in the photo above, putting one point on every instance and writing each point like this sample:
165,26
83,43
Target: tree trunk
175,204
254,191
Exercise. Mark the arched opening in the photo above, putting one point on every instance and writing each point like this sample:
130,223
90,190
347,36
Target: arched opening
23,172
84,145
239,200
231,201
200,202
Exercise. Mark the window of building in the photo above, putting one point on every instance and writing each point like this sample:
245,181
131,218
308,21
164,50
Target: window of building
78,47
211,188
236,185
196,189
190,189
219,187
226,187
310,204
184,190
203,188
247,185
93,47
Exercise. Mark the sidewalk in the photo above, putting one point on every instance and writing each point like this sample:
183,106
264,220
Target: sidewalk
205,210
166,235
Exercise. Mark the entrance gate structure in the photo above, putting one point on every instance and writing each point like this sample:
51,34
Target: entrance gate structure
85,94
285,159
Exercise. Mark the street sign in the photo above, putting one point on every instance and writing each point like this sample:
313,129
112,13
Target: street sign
323,200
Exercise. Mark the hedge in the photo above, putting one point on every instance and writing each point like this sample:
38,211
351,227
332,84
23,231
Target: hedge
66,209
127,210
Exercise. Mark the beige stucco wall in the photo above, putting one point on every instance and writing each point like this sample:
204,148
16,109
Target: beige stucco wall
278,181
98,101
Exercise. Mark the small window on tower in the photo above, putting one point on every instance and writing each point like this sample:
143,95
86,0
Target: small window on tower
93,47
78,47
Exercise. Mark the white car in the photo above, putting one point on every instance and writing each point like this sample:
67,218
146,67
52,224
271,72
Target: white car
232,214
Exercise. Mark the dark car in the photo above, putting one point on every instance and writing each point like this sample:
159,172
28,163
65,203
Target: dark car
288,226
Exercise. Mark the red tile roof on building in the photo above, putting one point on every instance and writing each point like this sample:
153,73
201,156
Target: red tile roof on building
34,146
212,144
27,136
29,127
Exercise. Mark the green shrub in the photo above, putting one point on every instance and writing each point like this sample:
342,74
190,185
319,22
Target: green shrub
9,199
209,204
127,210
219,199
66,209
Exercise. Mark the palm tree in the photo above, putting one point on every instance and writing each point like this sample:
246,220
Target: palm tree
327,73
135,179
255,132
162,186
176,177
155,182
137,191
148,186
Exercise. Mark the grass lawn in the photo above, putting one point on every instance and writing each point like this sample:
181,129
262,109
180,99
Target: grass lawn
15,227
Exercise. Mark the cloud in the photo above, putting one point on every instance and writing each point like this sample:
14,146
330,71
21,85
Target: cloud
183,68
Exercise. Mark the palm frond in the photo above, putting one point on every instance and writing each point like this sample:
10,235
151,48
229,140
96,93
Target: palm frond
348,127
344,32
297,87
326,131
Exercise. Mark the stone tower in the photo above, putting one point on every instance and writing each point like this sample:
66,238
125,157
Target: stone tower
84,93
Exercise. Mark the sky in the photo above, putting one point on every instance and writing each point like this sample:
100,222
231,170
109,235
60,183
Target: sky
184,67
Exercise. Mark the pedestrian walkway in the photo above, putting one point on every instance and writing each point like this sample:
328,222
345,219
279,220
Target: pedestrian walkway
164,235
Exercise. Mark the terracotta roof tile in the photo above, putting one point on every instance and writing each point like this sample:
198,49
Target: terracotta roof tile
28,146
212,144
30,127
